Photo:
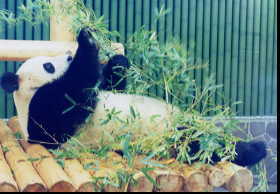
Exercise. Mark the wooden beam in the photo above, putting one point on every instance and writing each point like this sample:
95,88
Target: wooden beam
21,50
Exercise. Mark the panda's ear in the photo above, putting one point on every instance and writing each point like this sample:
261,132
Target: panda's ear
9,82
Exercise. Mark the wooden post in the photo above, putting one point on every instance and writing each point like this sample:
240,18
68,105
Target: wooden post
59,27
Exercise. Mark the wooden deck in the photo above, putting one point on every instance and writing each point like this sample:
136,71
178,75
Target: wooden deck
32,168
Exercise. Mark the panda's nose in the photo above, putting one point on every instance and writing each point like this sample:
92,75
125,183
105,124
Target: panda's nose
9,82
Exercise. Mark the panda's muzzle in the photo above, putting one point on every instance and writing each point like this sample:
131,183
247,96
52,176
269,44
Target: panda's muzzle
9,82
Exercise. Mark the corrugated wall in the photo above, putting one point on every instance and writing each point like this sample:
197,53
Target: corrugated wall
237,38
22,31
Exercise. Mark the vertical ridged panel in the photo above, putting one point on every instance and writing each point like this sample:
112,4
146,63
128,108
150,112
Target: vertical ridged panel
22,31
236,37
234,64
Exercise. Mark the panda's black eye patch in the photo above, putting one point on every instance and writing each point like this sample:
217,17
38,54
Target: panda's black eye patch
69,59
49,67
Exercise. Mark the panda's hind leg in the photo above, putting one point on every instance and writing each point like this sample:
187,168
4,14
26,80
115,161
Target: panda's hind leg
114,73
247,153
250,153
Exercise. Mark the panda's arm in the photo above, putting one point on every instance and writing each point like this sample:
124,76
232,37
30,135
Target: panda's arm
85,70
114,73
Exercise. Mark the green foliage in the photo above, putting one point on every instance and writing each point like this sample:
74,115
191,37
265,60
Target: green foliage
85,17
163,70
34,12
261,173
40,11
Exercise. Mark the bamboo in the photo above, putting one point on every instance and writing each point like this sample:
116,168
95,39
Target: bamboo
26,176
238,179
52,174
7,182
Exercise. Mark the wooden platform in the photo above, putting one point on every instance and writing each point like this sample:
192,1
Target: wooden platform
26,167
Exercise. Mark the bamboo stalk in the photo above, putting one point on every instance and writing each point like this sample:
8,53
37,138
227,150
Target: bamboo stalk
26,176
52,174
7,182
238,179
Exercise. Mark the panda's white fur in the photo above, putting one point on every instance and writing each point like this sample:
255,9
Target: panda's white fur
151,116
32,76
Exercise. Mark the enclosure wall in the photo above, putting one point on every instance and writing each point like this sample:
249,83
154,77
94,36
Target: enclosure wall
236,37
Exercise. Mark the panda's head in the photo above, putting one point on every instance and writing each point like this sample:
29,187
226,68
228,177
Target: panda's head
35,73
32,75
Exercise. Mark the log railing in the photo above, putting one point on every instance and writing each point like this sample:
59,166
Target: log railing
62,40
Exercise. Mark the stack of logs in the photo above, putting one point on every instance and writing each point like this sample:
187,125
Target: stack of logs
32,168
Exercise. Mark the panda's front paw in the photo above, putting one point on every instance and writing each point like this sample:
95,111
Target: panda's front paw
85,39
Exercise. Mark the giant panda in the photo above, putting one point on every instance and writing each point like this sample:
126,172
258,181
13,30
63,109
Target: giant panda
60,97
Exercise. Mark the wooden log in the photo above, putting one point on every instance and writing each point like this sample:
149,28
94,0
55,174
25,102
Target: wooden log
216,177
49,170
109,166
7,182
21,50
142,183
99,169
238,179
176,177
26,176
195,180
169,181
79,176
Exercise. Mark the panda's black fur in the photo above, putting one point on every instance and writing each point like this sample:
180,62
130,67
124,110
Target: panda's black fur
73,94
58,108
114,73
